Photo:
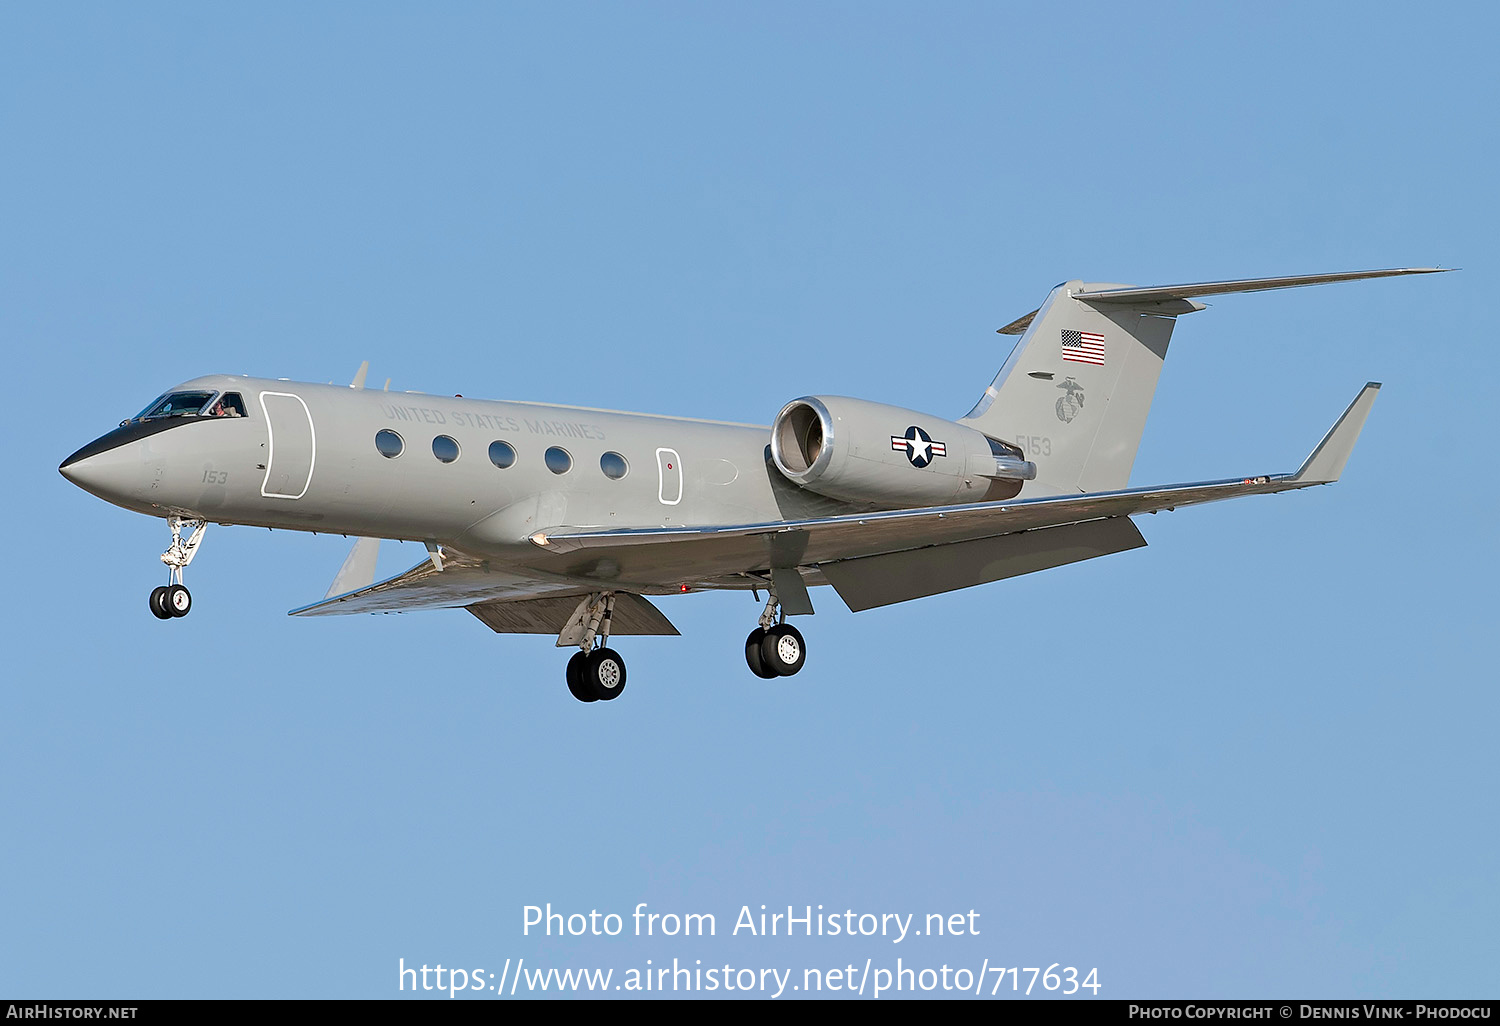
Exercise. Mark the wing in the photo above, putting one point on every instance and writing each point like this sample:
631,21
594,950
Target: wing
869,558
506,602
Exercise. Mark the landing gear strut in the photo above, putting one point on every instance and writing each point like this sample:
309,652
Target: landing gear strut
173,599
775,648
596,673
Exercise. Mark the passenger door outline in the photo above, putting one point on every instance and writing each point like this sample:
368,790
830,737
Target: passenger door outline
291,420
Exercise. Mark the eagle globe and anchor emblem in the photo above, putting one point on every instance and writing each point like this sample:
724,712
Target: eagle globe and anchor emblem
1070,404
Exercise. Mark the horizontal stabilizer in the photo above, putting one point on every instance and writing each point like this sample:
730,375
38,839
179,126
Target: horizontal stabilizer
1019,325
1158,297
1162,293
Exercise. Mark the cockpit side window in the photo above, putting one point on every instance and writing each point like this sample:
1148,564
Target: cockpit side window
177,404
229,405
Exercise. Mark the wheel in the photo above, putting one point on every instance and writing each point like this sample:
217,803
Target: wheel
783,650
752,655
604,672
178,600
576,683
159,603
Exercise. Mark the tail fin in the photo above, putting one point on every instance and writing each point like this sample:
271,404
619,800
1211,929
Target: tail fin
1075,391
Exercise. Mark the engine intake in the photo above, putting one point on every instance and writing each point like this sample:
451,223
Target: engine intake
799,439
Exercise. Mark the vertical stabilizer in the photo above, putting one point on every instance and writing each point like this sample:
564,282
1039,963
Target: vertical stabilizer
1075,391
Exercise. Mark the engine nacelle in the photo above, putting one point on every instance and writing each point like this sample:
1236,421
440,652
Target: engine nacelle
886,456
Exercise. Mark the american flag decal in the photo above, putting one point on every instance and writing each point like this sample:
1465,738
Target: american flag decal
1083,347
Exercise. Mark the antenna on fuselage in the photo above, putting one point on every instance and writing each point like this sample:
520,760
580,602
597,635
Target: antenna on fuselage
359,375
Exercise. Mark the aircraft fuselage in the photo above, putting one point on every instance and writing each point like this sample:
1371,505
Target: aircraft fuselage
305,457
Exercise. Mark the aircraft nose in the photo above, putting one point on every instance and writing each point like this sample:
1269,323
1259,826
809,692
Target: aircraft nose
111,474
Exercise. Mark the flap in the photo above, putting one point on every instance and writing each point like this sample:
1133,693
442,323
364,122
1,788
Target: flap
632,615
882,580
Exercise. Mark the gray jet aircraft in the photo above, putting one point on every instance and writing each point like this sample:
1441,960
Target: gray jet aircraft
562,520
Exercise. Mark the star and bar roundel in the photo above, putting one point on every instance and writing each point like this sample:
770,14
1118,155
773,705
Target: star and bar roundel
918,446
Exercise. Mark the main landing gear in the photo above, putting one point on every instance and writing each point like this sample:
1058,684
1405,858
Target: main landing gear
173,599
596,673
775,648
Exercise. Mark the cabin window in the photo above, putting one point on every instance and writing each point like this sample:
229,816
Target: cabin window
613,465
389,444
558,460
502,455
176,404
445,449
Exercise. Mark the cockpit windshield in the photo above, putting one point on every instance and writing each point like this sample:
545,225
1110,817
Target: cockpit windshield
176,404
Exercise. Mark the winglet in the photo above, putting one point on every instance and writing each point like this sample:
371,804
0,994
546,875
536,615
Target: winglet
358,570
1326,462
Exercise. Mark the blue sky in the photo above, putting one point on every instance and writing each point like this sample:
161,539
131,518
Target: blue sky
1253,759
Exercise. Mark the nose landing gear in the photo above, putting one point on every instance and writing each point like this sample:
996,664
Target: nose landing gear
173,599
775,648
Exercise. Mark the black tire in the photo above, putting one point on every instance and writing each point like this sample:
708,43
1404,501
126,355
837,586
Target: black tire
178,600
783,650
577,686
752,655
604,672
159,603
